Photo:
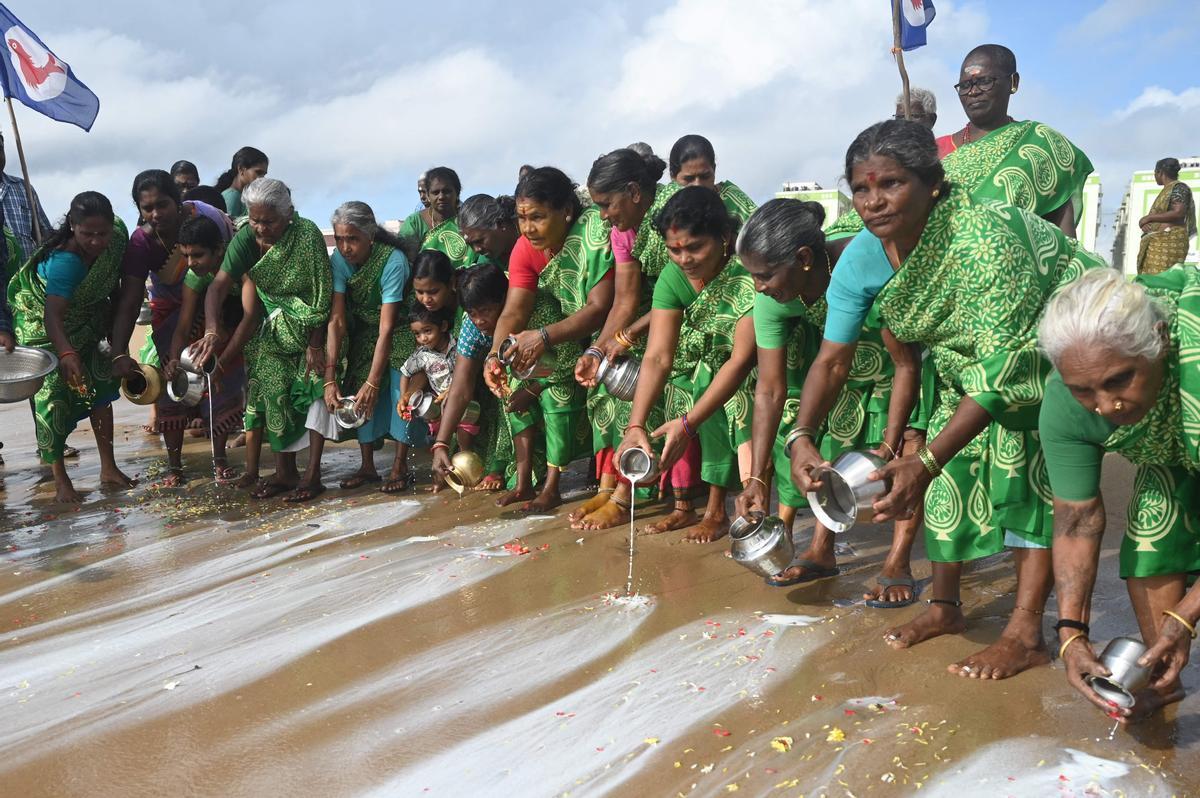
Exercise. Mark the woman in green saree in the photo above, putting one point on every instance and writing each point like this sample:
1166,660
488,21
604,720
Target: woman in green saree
60,300
700,350
968,280
624,187
548,311
1122,383
1169,226
436,227
371,289
283,256
693,162
248,165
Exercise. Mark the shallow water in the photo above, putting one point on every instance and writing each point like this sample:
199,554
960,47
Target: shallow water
194,642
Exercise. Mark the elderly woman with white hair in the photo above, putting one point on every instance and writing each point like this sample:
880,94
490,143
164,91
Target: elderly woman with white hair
1125,381
372,289
283,258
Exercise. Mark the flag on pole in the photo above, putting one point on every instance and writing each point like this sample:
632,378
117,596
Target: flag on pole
915,16
41,80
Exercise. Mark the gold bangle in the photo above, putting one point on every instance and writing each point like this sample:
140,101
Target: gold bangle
1190,627
929,461
759,480
891,451
328,383
622,337
1063,648
373,385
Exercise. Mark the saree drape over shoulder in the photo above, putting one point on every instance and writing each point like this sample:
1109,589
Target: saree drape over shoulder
1164,245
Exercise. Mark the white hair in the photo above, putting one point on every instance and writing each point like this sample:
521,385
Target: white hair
356,214
1102,311
270,192
921,97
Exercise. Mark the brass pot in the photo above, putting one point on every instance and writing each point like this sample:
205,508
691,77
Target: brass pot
466,469
144,386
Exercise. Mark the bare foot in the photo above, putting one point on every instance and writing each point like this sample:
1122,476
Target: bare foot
544,501
174,479
937,620
115,478
437,485
513,496
588,507
490,483
1007,657
67,494
708,530
677,519
609,515
247,480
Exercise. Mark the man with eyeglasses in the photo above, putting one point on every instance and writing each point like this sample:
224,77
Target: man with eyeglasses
1025,163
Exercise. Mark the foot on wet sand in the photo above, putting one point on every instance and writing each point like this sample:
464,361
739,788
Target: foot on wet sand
490,483
588,507
1007,657
935,621
708,530
609,515
395,483
543,502
358,479
114,478
67,495
516,495
174,479
304,493
893,588
265,490
811,564
247,480
677,519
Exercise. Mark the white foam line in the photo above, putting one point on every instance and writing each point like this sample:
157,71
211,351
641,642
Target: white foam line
237,632
662,690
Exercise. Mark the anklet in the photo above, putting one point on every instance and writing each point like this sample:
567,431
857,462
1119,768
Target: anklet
947,602
1067,623
1026,609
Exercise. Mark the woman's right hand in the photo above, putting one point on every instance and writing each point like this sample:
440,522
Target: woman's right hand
586,368
71,368
806,459
611,349
1081,661
331,397
752,499
441,460
203,349
495,378
635,437
171,369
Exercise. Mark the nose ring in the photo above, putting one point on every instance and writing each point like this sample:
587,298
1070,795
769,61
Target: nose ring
1118,405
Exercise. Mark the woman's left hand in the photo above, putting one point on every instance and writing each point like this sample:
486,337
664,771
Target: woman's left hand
675,443
365,399
314,360
1169,654
586,368
528,349
522,399
910,479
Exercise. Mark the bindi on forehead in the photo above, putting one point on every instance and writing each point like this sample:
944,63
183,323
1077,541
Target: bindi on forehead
973,69
871,177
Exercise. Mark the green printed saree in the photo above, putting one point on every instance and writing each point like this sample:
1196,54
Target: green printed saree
737,202
294,282
973,291
447,238
88,319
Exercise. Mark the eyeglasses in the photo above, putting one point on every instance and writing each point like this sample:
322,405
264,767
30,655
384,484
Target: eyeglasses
984,83
914,115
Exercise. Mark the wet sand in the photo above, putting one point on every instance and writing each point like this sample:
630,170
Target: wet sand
195,642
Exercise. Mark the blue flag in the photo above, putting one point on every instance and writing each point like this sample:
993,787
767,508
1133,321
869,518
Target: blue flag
915,16
40,79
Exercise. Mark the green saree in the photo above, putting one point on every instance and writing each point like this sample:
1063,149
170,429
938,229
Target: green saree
447,238
737,202
294,282
705,344
973,291
88,319
563,288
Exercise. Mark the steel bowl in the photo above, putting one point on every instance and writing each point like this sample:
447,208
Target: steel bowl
424,405
466,469
637,465
144,386
22,372
620,377
761,544
187,362
1126,677
186,388
846,496
347,414
542,368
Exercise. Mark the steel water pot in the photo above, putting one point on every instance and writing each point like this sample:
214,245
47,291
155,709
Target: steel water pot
347,415
761,543
620,376
542,368
187,362
186,388
637,465
1126,677
846,496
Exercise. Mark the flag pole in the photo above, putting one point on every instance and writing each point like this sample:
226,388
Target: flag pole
37,227
896,51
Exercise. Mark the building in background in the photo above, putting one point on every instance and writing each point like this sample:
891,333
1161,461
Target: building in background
1136,204
835,202
1088,229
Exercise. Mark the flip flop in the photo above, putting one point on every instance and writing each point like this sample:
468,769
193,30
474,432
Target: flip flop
268,489
358,480
304,493
812,573
397,485
903,581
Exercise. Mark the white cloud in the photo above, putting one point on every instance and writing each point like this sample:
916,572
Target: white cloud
1114,16
1156,97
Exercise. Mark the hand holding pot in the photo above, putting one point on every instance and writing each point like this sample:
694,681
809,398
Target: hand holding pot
909,479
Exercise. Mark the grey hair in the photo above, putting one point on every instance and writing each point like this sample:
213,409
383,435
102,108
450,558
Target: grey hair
1102,310
908,143
921,97
270,192
486,212
779,228
356,214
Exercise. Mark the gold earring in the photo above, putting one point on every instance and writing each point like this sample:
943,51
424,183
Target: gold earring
1118,405
937,192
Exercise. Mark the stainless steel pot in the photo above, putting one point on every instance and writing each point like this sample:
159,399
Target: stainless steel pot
637,465
541,369
425,405
1120,656
846,496
22,372
186,388
761,544
346,415
620,376
189,363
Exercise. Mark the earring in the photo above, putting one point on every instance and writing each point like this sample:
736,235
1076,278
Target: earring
569,218
937,192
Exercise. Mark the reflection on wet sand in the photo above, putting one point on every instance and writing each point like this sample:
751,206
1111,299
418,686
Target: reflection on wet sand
192,642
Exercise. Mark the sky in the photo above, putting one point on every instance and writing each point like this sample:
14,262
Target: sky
352,100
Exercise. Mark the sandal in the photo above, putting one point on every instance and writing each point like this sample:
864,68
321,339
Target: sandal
304,493
268,489
395,484
901,581
358,480
812,573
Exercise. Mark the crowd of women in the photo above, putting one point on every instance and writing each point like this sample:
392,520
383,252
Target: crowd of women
950,323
